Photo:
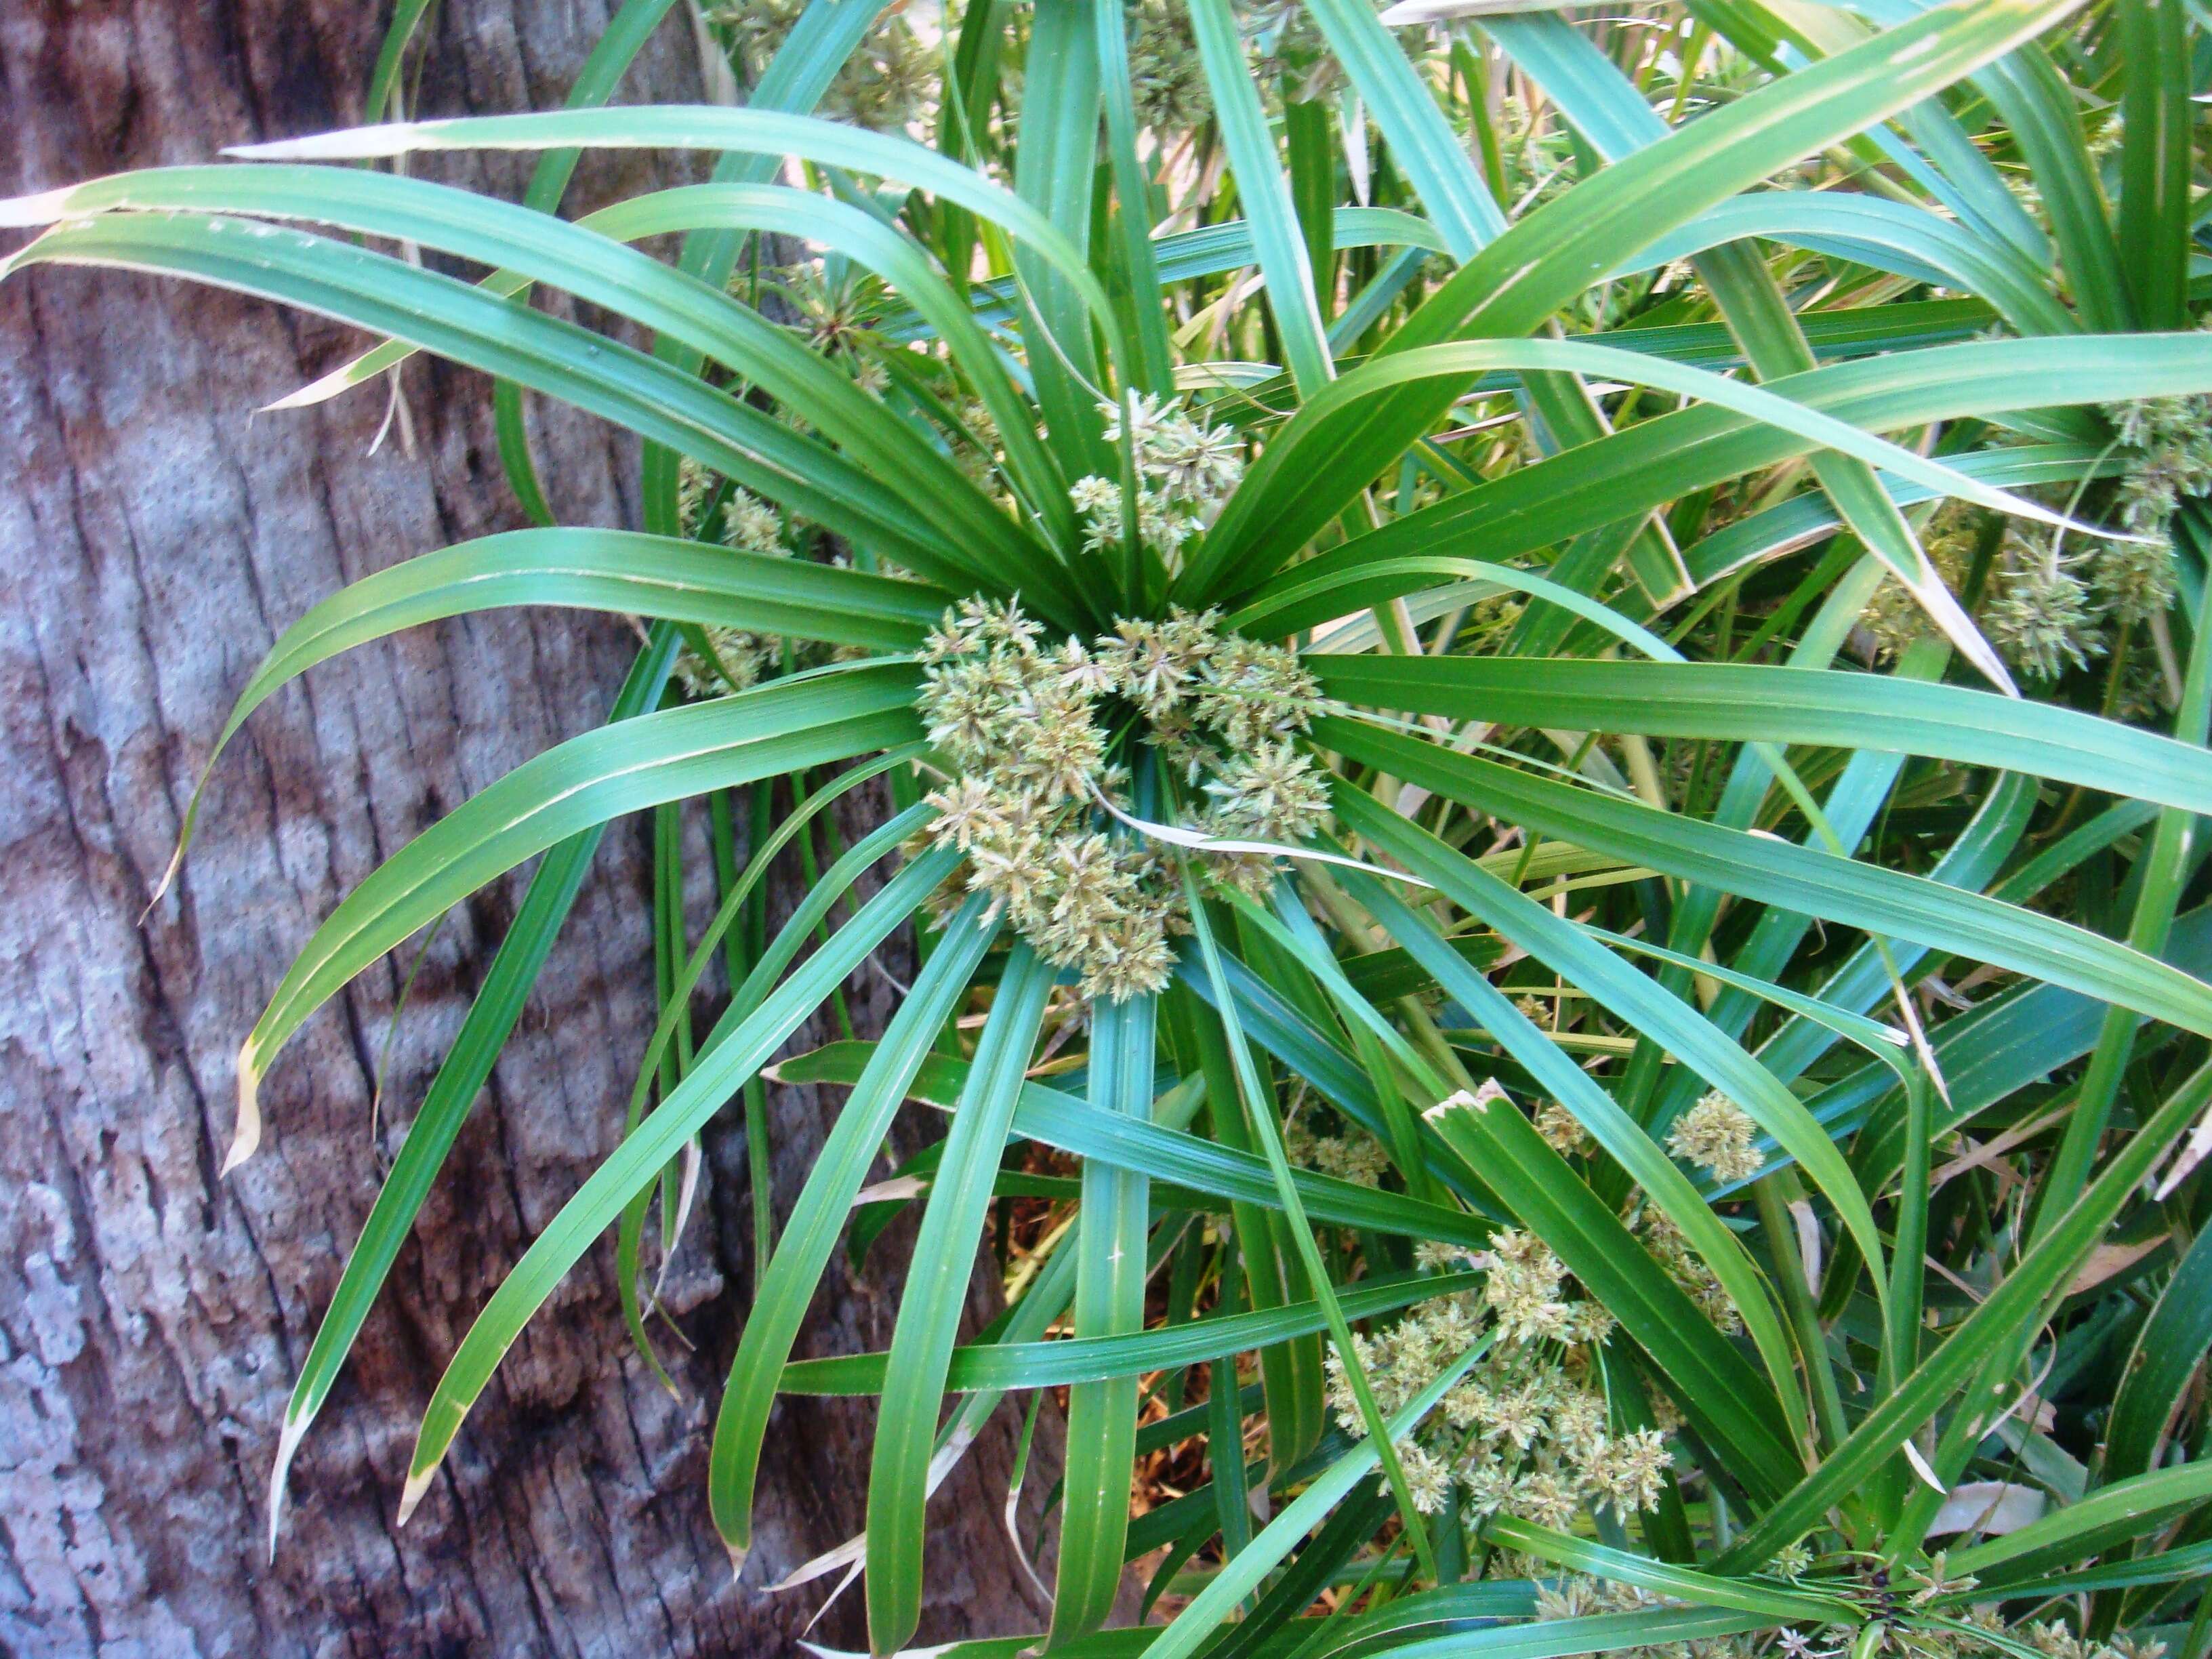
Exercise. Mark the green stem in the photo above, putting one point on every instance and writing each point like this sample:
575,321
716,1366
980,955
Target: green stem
1278,1164
1772,1192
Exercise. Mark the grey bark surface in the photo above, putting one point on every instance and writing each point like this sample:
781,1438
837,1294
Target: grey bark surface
154,538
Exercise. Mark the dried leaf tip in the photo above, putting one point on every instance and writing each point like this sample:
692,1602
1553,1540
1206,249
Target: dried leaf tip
1475,1099
288,1442
411,1493
349,143
1920,1467
41,207
247,1135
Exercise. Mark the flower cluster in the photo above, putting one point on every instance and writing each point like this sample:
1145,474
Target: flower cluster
975,441
1671,1251
1894,618
2174,435
737,519
1525,1432
1185,468
1718,1135
1352,1157
1563,1132
1039,756
2056,1640
835,312
1976,1632
2042,613
2135,580
888,83
1166,78
2046,610
1579,1596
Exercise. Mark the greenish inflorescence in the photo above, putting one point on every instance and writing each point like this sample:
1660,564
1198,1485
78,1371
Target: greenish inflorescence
1166,78
973,339
2042,614
1941,1630
742,656
1527,1433
738,659
1894,618
1186,470
1671,1250
2050,607
1352,1156
2174,435
888,83
1042,746
1719,1137
2136,580
1562,1130
2054,1640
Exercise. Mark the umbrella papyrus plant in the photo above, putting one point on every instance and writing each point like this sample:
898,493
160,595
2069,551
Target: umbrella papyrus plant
1542,687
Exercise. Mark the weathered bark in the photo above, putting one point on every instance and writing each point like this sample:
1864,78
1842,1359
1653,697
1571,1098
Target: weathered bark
155,537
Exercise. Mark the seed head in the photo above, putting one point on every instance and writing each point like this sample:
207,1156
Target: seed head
1022,728
2043,615
1718,1135
1562,1130
2135,581
751,525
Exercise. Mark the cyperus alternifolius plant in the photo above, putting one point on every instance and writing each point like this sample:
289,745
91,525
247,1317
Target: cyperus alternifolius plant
1537,684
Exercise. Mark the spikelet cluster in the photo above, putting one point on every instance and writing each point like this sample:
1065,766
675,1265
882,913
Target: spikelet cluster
2142,694
889,82
1166,79
1671,1251
1563,1132
743,657
1352,1157
1185,468
2042,613
1718,1136
1026,729
1579,1596
835,313
2174,435
1954,1633
2046,610
1979,1632
1525,1432
2135,581
1893,618
976,445
2056,1640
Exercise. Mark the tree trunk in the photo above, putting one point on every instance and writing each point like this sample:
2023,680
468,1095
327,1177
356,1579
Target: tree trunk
155,537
